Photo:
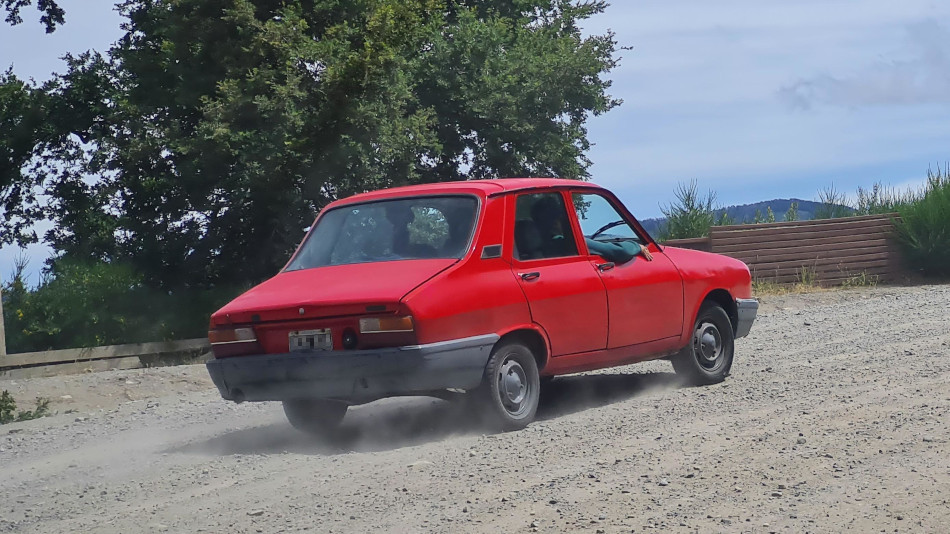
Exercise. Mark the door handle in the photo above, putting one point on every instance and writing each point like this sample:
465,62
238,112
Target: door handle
606,266
527,277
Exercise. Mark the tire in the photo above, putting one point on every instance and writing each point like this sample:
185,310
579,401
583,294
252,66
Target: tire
315,416
510,390
708,357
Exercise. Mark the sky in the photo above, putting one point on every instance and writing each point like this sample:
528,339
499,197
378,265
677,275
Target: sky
753,99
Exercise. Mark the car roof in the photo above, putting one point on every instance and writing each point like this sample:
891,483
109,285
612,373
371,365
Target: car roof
479,187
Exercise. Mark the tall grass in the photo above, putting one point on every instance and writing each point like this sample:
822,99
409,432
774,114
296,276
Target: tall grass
924,227
834,204
881,199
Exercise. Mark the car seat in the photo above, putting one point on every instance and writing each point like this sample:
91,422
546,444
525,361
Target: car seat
527,240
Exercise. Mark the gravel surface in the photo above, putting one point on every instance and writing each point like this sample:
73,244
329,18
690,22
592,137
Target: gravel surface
835,419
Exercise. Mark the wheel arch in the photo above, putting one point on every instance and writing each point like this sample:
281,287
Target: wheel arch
534,338
726,301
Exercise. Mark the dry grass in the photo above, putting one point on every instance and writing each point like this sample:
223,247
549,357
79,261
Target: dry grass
808,283
769,288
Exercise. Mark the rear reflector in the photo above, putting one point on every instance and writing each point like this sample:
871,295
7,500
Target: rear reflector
231,335
386,324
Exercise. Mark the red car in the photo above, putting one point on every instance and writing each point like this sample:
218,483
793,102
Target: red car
482,287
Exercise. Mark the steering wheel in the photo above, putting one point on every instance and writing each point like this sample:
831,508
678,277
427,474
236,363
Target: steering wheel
606,227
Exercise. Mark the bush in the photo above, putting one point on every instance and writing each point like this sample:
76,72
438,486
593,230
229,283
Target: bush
85,304
834,205
9,413
690,216
881,199
924,228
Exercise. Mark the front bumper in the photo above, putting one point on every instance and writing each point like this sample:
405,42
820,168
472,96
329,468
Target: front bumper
746,311
354,376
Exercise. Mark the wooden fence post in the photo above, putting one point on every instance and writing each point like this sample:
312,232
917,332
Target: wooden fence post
3,339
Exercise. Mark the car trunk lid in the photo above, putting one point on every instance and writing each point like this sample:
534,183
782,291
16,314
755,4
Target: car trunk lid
332,291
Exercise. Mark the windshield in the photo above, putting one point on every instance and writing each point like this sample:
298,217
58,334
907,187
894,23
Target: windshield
402,229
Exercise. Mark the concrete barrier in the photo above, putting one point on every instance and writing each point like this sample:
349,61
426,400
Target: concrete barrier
130,356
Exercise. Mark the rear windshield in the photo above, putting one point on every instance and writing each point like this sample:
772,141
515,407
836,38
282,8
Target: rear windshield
403,229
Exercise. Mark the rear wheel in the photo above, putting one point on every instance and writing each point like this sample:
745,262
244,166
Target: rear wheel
708,357
315,416
510,390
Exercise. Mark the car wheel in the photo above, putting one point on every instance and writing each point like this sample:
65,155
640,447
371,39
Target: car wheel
315,416
508,396
708,357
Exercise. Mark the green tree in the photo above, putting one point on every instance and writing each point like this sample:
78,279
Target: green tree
23,127
792,213
50,12
725,219
690,215
217,129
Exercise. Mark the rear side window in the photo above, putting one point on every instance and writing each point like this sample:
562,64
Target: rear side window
542,227
402,229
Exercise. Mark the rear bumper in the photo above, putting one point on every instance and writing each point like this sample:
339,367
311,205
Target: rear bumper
354,376
746,311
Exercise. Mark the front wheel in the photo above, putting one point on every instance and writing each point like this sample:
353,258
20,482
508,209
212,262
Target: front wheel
708,357
510,390
315,416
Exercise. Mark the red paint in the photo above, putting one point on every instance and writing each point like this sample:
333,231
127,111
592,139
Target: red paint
645,300
588,319
568,301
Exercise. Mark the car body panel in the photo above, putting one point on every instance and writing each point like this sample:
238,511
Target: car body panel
645,301
330,291
568,300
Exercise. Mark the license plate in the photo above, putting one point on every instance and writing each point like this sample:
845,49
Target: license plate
305,340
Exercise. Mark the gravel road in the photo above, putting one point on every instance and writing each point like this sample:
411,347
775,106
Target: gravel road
836,418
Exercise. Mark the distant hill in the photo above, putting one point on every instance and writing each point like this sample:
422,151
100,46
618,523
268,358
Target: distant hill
746,212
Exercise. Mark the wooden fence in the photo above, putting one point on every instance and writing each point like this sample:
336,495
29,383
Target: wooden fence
75,361
828,251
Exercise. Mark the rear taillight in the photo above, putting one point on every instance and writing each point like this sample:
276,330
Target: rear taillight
233,342
380,325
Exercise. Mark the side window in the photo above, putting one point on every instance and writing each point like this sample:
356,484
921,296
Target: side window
542,227
600,221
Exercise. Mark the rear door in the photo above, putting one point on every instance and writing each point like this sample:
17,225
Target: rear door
645,298
564,292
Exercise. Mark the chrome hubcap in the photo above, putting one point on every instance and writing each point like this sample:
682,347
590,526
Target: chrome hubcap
513,387
707,345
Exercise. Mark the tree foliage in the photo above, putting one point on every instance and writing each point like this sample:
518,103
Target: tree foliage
88,304
51,14
792,213
198,147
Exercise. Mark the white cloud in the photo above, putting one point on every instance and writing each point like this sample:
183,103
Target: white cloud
702,97
921,77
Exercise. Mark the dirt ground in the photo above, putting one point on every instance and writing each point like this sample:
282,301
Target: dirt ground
836,418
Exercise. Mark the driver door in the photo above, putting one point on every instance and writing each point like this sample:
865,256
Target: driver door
644,298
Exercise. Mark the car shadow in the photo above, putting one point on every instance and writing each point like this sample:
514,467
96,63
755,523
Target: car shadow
395,423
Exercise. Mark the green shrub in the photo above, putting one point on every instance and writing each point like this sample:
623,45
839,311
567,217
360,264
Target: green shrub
9,413
834,205
86,304
881,199
690,216
792,213
924,227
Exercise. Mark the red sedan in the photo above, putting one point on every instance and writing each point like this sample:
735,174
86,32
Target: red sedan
482,287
